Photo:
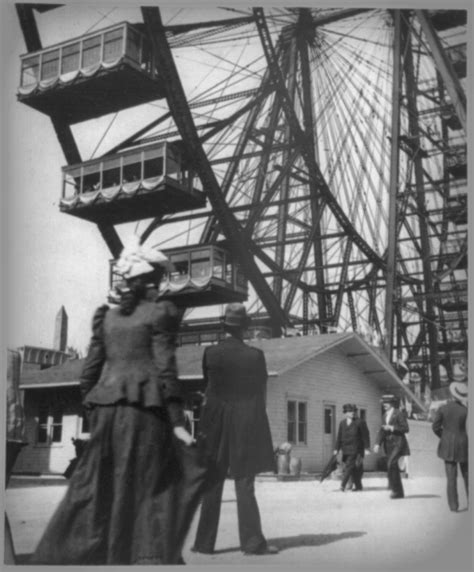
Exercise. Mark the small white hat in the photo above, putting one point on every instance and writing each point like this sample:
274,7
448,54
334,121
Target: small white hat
137,259
458,390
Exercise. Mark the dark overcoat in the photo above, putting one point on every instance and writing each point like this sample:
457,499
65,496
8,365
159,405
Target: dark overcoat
450,426
395,442
352,439
233,419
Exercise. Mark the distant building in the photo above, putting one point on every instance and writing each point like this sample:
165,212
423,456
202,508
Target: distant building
310,378
34,358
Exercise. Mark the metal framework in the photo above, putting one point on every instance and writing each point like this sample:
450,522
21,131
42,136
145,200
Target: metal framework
332,149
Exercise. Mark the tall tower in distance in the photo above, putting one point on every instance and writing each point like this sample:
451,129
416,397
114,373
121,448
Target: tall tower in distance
60,330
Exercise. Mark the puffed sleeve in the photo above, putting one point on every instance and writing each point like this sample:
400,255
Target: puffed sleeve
96,355
164,332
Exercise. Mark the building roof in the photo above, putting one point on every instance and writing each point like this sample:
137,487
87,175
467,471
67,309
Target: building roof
281,354
43,356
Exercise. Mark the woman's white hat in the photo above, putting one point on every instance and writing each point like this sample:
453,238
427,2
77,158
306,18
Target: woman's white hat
137,259
458,390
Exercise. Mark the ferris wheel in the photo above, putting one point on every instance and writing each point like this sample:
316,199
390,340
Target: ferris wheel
323,149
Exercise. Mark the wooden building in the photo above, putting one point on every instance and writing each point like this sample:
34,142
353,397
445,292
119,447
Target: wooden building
310,378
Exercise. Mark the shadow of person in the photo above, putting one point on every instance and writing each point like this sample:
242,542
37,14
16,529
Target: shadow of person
367,489
286,542
422,496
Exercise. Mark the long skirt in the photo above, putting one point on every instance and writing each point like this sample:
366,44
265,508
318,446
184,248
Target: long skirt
119,504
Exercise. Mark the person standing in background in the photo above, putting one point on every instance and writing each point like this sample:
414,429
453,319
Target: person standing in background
364,450
449,425
237,433
350,441
392,436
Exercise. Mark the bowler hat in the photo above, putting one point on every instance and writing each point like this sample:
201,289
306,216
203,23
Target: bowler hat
236,316
458,390
390,399
347,407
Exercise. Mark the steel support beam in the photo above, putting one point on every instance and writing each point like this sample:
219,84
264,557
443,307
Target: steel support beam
393,188
180,110
445,68
316,203
285,186
414,132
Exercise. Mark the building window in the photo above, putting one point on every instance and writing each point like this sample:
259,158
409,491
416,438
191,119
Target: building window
297,421
192,412
85,428
328,420
50,424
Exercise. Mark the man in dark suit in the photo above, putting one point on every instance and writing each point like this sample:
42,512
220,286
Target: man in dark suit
236,429
392,436
449,425
352,442
364,450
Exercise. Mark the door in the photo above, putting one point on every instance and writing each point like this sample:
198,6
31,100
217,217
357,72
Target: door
329,431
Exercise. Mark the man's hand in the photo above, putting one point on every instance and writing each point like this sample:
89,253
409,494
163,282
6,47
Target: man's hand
184,436
387,427
367,451
376,448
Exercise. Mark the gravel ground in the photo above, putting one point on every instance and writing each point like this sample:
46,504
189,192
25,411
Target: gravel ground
313,524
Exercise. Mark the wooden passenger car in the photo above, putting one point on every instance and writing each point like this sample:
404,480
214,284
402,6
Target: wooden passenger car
139,183
99,73
203,275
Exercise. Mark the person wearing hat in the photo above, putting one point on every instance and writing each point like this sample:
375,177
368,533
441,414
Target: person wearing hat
449,425
237,433
352,441
364,449
392,436
116,509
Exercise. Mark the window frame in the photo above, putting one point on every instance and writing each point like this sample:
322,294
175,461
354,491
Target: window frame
298,435
51,413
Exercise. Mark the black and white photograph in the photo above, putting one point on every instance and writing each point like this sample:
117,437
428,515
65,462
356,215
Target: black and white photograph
235,284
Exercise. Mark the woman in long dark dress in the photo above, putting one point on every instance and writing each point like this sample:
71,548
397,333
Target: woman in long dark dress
117,507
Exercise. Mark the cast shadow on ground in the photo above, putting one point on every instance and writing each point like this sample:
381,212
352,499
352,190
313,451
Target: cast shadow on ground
286,542
422,496
367,489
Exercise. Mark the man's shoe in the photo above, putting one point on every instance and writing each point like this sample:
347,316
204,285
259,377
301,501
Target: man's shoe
397,496
268,549
198,551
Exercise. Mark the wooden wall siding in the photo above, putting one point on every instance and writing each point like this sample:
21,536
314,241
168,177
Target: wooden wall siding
329,378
